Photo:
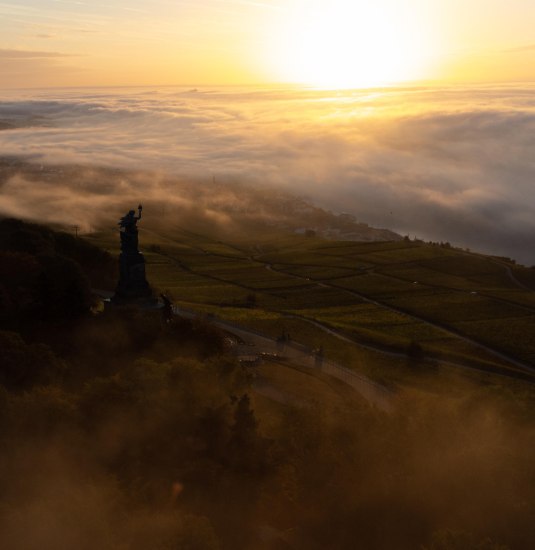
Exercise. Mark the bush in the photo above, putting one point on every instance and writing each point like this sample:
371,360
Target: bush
460,540
23,366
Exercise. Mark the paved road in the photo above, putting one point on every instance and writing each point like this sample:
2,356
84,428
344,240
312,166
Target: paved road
376,394
503,356
511,276
519,364
507,268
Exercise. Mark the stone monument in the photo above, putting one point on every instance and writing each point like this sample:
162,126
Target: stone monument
132,283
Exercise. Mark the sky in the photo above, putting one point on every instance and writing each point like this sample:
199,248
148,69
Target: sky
325,43
414,115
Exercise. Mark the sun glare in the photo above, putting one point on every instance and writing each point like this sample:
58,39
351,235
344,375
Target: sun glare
350,44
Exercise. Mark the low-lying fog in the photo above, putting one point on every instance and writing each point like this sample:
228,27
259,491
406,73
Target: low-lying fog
452,164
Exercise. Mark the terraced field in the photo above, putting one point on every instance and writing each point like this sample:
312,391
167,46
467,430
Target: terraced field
447,304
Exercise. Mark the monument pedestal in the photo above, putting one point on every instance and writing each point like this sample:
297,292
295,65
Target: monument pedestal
132,283
132,287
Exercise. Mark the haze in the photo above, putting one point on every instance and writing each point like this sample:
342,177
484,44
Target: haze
450,163
126,425
413,115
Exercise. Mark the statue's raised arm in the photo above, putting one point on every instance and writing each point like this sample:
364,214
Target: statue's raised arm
128,222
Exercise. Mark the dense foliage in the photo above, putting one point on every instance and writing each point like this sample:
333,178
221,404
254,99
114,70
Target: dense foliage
46,276
122,431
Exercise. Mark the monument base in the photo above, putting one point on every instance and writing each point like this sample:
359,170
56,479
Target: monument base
132,285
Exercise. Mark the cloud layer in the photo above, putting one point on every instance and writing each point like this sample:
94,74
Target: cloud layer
450,164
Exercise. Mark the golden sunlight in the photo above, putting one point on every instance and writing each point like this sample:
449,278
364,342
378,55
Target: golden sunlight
351,44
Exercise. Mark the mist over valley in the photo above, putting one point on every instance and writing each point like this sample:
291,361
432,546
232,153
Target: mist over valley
444,164
267,275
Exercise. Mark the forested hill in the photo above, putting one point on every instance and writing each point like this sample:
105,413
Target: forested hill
121,430
47,275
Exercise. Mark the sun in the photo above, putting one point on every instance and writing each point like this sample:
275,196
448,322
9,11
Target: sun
349,44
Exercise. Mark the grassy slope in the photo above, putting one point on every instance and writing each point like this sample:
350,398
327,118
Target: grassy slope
376,293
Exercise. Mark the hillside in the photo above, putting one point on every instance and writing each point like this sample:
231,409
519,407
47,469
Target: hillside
149,434
448,304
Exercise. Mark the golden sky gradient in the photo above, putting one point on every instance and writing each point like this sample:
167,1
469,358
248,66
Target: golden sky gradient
325,43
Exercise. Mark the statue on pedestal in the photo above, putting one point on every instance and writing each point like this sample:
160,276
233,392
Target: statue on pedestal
128,229
132,282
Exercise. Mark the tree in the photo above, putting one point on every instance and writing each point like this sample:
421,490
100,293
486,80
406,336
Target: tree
244,446
63,289
23,366
460,540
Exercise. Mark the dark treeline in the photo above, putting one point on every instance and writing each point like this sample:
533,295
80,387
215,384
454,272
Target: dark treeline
120,431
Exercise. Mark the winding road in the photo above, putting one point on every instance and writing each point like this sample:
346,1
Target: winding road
523,367
504,357
262,345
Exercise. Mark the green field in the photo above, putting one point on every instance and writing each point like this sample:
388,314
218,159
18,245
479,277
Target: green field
388,295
